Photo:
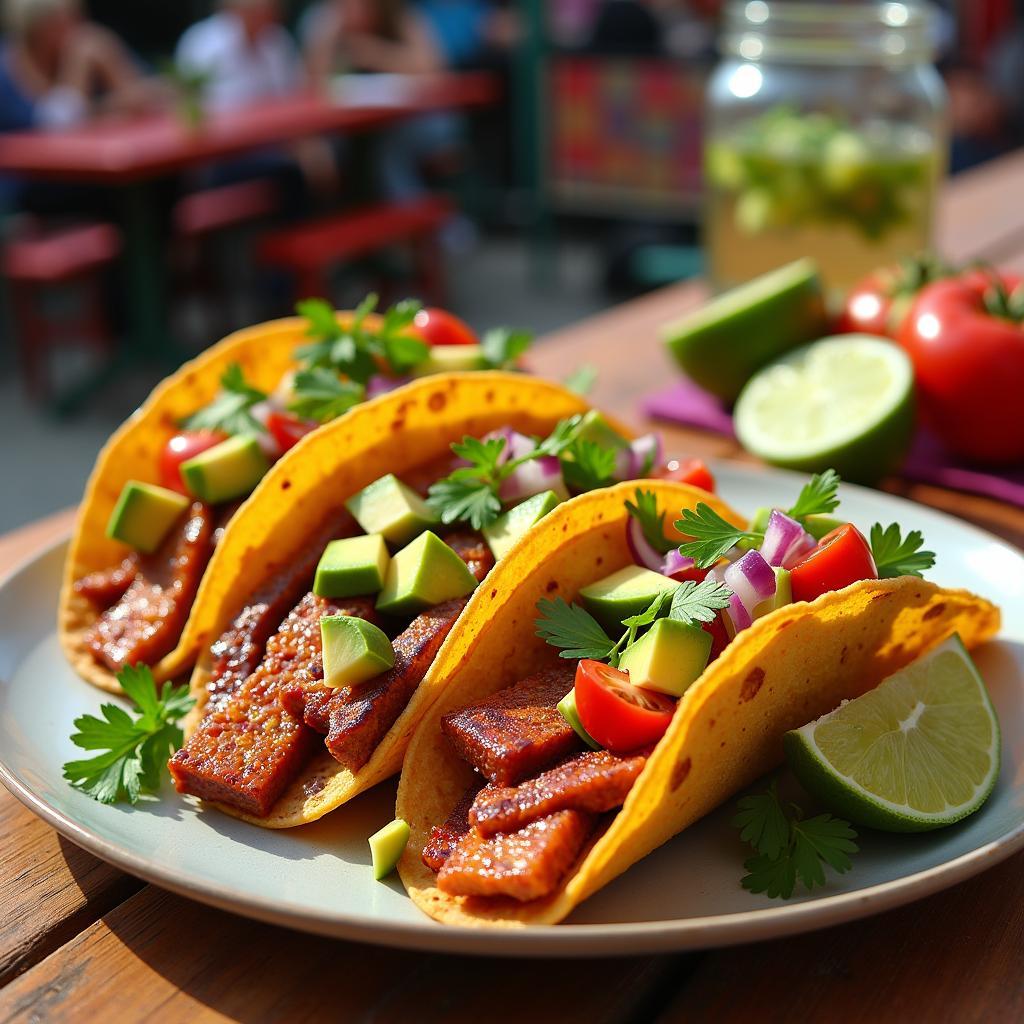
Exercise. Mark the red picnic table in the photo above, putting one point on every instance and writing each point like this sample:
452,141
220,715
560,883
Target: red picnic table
130,155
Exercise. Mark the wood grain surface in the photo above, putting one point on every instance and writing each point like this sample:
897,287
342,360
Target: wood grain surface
82,941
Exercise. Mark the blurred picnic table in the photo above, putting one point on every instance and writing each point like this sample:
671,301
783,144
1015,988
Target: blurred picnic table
83,941
130,155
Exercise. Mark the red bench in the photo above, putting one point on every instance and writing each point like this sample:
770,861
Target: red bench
310,249
37,261
223,207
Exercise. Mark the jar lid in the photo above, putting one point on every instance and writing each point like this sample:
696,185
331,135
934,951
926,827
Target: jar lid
819,33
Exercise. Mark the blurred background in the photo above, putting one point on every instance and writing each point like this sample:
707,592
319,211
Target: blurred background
174,170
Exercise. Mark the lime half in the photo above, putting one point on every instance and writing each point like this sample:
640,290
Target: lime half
845,402
918,752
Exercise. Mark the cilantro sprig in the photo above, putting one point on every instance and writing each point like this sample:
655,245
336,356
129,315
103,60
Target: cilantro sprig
711,536
135,749
501,347
652,522
586,465
320,394
355,350
230,411
895,555
789,847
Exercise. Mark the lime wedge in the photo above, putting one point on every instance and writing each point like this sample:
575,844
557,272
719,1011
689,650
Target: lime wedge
918,752
845,402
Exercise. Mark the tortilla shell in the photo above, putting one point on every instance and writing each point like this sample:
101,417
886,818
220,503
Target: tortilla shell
391,434
787,669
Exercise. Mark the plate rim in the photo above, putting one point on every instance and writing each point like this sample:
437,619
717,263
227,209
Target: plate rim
647,937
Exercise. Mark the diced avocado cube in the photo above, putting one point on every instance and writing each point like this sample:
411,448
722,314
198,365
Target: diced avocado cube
567,709
820,524
352,566
226,471
391,509
450,359
144,515
424,573
668,657
594,427
387,847
354,650
783,594
757,525
502,534
626,592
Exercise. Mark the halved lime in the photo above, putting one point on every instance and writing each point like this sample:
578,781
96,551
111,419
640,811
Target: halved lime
918,752
845,402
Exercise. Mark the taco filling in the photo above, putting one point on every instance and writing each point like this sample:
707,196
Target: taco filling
327,654
219,453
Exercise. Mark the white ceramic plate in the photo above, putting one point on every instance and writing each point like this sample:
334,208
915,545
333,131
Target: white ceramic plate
685,895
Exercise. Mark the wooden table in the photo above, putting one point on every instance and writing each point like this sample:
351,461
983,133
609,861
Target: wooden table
129,155
82,941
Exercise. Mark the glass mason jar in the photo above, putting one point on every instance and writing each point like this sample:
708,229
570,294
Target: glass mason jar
825,137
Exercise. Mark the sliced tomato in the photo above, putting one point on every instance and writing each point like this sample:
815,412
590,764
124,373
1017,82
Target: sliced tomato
439,327
287,429
619,715
688,471
719,636
840,558
182,447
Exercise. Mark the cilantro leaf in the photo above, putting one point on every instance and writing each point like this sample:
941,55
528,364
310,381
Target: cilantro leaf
501,347
230,410
320,394
582,380
790,847
817,496
896,556
586,466
135,750
573,630
465,499
711,535
697,602
394,342
561,437
652,522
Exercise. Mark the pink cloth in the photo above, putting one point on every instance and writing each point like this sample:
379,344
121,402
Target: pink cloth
928,462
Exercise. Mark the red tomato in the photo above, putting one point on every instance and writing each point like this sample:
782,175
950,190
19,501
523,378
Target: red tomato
182,447
288,430
619,715
439,327
966,341
688,471
840,558
719,637
879,303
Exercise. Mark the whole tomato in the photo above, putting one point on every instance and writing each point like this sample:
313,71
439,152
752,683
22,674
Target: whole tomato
878,303
965,338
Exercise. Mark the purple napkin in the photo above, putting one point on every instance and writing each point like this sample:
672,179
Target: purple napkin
928,462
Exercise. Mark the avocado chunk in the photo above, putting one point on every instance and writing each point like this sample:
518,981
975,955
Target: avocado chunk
144,515
387,847
783,594
819,524
757,525
352,566
424,573
502,534
567,709
594,427
226,471
626,592
668,657
450,359
354,650
390,508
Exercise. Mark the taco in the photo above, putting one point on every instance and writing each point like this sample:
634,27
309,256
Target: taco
151,518
534,779
373,534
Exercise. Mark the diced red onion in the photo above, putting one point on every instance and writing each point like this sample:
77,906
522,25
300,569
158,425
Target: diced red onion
643,552
533,477
752,580
381,385
647,454
736,616
807,543
784,537
674,562
516,445
269,446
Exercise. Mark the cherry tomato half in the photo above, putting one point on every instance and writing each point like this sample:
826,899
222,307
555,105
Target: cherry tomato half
688,471
288,430
182,447
619,715
439,327
840,558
